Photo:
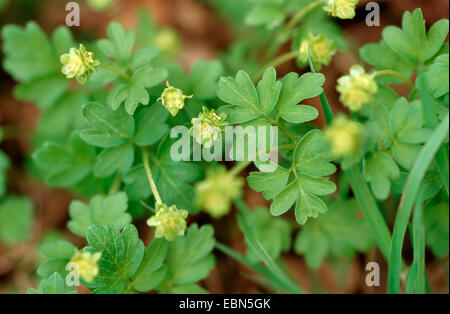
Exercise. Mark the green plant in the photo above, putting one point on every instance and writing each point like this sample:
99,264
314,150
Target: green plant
116,150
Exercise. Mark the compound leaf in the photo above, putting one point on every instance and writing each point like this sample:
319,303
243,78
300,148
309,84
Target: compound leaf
412,41
102,211
119,43
339,231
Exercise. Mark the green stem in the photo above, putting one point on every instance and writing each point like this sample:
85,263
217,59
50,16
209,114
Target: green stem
301,14
282,128
115,70
239,167
115,186
326,108
328,113
409,196
148,172
343,187
395,74
275,62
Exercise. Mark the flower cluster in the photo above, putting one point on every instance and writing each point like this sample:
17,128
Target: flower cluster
207,127
170,222
322,50
357,88
217,191
78,63
173,99
344,136
343,9
87,263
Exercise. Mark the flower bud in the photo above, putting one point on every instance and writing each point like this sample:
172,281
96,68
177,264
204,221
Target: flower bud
168,40
215,194
344,136
343,9
207,127
173,99
78,64
322,50
357,88
170,222
87,264
99,5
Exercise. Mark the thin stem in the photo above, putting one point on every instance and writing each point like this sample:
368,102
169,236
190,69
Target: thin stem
395,74
326,108
328,113
276,62
281,127
115,186
115,70
239,167
148,172
301,14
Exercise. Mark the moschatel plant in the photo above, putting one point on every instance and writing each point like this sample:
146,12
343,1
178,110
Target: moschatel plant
104,134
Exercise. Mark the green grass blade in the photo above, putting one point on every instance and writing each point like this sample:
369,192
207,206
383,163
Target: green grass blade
416,279
410,192
256,245
369,206
270,278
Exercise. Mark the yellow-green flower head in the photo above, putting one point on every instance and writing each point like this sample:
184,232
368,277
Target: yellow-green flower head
343,9
357,88
344,136
207,127
322,51
170,222
215,194
168,40
173,99
87,264
78,63
99,5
